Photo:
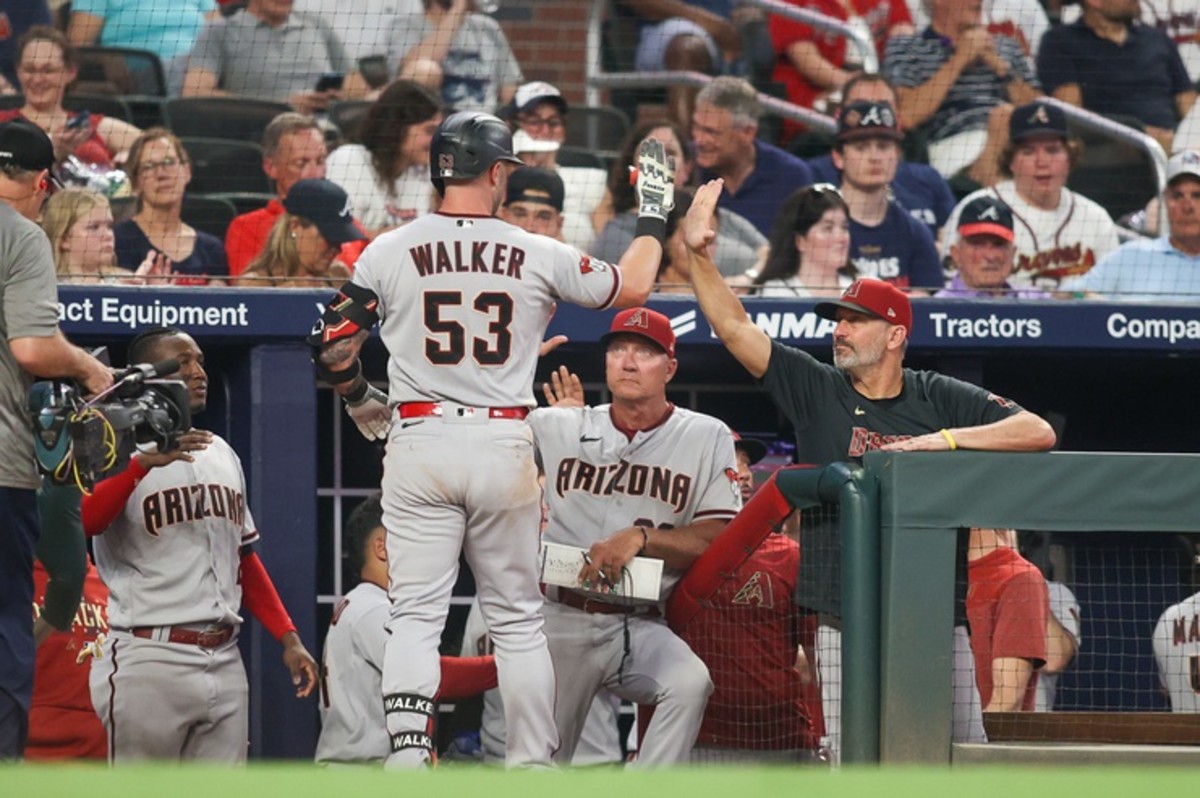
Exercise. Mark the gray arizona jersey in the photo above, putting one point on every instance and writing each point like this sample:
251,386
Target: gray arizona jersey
353,727
598,480
1066,611
1177,650
172,556
464,302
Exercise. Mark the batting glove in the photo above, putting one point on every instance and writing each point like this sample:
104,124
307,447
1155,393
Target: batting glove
655,180
370,412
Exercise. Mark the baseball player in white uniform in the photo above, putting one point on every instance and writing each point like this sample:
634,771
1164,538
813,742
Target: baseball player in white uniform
1059,233
353,727
174,545
638,477
463,300
1066,626
600,741
1177,648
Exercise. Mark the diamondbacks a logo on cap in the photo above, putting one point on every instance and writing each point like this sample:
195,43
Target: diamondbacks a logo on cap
991,213
852,291
638,319
1040,115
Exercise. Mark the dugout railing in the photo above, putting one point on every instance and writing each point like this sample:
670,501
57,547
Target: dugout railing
899,543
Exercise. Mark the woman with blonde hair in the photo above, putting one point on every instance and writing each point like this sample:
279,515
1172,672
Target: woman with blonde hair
160,170
79,225
299,252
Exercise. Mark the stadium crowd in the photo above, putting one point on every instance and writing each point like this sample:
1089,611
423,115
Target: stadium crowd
949,174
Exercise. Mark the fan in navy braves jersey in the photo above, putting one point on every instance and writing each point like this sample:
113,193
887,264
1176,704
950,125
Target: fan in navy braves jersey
463,300
885,241
174,543
637,477
866,400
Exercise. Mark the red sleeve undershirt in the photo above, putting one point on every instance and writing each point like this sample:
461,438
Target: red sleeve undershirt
261,599
102,506
463,677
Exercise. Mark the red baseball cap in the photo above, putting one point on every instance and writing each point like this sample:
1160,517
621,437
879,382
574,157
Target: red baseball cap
646,323
873,296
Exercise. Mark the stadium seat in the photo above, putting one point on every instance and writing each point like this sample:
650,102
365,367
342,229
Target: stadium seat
245,201
1118,176
238,118
601,129
106,104
210,214
223,165
120,70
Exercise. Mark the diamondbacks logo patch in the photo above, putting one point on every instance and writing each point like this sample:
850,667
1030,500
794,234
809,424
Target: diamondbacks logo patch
638,320
756,592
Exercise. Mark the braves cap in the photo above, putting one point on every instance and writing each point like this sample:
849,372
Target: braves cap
326,205
532,184
646,323
874,296
1037,119
863,119
986,216
528,95
1183,163
753,447
25,146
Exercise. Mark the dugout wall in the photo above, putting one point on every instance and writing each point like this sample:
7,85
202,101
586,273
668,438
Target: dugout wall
924,499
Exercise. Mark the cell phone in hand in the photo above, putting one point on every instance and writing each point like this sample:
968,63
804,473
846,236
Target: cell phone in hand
330,81
78,121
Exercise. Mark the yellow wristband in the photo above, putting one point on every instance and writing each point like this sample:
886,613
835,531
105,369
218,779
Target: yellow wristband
949,439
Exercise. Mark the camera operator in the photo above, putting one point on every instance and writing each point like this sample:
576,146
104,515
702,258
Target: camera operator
31,345
175,546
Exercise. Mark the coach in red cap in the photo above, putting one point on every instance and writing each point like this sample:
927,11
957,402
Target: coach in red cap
866,400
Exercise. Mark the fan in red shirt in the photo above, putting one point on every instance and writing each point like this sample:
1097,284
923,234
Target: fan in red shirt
293,150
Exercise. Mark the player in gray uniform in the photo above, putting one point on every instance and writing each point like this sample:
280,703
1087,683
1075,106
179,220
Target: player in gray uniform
463,300
174,545
353,727
638,477
1177,647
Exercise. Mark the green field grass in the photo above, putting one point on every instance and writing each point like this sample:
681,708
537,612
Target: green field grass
300,781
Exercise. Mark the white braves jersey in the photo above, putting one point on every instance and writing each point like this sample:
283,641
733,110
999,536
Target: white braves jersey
464,302
353,727
600,742
1051,245
1177,650
1066,611
599,481
171,557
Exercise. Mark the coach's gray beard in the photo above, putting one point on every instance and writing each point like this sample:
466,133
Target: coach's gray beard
862,356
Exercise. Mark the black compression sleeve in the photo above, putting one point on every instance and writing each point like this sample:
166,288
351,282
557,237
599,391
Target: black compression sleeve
63,551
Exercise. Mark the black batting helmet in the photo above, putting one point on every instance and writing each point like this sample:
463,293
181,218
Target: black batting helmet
466,145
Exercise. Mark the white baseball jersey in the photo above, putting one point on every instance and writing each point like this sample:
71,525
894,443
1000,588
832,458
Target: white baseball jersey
1177,650
477,293
353,727
1066,611
599,480
1051,245
171,557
